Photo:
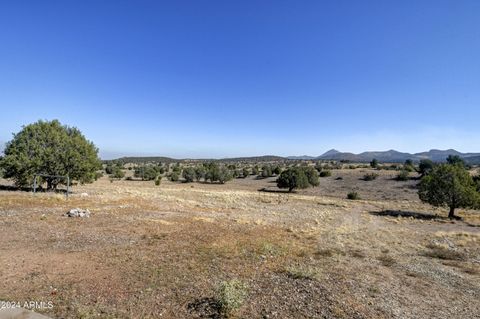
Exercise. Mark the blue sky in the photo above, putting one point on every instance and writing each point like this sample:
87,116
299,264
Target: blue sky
238,78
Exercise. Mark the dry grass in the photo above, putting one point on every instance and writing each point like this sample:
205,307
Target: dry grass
162,251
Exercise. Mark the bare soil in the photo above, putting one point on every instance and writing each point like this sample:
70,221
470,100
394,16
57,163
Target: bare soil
161,251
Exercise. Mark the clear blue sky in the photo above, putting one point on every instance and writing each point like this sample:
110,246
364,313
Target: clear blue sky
233,78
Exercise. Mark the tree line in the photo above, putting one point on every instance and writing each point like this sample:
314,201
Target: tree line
56,151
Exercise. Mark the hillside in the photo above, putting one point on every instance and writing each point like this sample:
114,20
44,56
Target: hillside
393,156
390,156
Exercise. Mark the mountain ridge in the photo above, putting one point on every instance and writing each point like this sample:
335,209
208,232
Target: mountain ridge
393,156
390,156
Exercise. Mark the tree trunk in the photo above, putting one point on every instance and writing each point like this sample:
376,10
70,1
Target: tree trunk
451,213
52,184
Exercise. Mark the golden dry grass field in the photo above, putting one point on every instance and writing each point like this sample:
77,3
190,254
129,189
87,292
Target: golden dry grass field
163,251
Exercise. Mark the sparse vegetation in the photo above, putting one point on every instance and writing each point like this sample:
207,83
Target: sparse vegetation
231,295
440,252
386,260
353,196
370,176
283,246
404,175
325,173
301,272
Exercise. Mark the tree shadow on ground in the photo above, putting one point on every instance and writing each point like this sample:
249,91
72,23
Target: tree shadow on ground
273,190
407,214
205,308
13,188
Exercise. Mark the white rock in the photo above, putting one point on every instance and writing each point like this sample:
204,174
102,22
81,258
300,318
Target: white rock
78,212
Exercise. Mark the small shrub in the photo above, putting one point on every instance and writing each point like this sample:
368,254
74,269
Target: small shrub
443,253
370,176
325,173
158,180
118,173
404,175
386,260
231,295
174,177
301,272
353,196
97,174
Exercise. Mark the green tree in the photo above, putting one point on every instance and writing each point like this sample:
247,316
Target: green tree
217,173
199,173
374,163
450,186
245,172
293,178
224,175
266,171
425,167
189,174
177,168
174,176
48,147
409,166
118,173
312,176
277,170
147,172
455,160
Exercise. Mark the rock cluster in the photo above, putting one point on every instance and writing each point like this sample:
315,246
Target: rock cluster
78,212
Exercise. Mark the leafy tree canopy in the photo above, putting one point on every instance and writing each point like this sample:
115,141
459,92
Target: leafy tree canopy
298,178
451,186
48,147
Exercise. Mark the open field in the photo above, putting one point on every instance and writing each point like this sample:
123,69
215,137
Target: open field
162,251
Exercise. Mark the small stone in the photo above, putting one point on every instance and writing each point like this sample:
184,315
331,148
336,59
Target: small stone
78,212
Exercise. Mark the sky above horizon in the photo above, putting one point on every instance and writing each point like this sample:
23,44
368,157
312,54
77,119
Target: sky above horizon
209,79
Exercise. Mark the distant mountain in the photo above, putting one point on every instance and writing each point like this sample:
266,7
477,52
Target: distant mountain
390,156
393,156
473,160
162,159
253,159
301,157
144,159
438,155
331,152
